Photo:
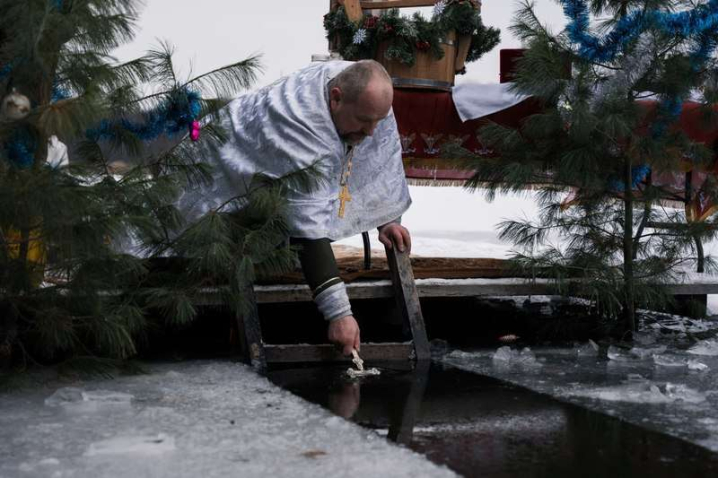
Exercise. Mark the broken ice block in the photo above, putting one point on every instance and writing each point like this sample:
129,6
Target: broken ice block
644,338
64,396
705,347
589,349
505,356
668,361
648,352
697,366
618,354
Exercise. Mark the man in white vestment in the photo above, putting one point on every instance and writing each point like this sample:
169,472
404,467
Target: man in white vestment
338,113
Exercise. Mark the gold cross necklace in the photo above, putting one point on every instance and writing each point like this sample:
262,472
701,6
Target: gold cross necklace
344,195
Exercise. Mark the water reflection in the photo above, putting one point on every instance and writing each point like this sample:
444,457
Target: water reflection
480,426
344,399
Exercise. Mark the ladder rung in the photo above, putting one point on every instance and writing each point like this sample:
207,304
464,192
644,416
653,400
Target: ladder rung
288,353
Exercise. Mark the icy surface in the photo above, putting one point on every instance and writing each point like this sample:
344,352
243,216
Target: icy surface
589,349
198,419
658,382
705,347
508,357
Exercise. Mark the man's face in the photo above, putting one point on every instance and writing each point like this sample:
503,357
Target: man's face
356,120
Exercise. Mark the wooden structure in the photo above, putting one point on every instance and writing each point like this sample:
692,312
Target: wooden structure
427,72
401,286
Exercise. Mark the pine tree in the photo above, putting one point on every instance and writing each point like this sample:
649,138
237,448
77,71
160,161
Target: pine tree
610,97
69,288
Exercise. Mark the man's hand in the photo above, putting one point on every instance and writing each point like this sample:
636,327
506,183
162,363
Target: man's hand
344,333
397,233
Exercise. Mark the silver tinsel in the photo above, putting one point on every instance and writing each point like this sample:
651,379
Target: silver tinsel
359,36
439,8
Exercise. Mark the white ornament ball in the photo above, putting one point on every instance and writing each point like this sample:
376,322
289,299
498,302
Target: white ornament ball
15,106
57,153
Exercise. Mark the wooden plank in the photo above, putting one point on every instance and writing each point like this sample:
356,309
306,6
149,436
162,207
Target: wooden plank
403,430
251,331
367,5
292,353
692,289
269,294
407,299
353,9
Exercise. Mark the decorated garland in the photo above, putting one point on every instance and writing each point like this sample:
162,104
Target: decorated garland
406,36
699,22
179,113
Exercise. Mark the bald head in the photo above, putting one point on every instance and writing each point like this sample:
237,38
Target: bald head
360,97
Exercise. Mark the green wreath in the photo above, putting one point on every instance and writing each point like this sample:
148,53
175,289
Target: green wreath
407,35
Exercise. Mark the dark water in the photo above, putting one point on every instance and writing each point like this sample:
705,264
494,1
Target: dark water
482,427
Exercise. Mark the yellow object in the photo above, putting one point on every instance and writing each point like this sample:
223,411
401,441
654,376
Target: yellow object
35,251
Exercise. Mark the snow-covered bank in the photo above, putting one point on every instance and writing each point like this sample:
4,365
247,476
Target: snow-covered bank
198,419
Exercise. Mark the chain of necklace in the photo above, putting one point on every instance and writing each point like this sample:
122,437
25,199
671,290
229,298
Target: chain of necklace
347,168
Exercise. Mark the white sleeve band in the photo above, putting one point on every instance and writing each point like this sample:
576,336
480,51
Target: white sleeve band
333,302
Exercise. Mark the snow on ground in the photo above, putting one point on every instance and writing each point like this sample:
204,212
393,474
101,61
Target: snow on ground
192,419
452,222
666,381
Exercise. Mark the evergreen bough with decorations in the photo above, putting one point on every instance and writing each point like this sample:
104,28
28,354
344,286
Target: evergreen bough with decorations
614,243
406,36
70,290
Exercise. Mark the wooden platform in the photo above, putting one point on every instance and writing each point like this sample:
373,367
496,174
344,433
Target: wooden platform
479,287
457,278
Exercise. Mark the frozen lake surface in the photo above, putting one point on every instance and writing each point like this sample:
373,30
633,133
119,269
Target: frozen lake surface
197,419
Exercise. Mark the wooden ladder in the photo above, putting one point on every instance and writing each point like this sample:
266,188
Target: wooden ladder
260,354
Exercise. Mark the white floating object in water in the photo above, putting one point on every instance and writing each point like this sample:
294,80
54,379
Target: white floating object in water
360,372
696,365
668,361
705,347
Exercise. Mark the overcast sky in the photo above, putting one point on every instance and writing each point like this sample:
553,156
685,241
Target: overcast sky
213,33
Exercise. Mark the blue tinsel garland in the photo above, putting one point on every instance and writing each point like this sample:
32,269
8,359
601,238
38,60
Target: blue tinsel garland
170,118
638,175
20,149
699,22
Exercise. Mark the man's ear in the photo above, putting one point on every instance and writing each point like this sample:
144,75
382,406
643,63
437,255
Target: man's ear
335,95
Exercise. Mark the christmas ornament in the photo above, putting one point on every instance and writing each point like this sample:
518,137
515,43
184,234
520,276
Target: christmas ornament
371,22
439,8
15,106
194,130
423,45
698,23
359,37
174,115
57,153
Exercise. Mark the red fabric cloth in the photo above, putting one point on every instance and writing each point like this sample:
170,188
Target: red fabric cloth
428,119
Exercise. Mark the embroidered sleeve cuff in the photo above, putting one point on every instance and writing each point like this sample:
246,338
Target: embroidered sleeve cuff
333,302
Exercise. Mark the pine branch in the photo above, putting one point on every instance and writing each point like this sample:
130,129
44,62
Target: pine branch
224,82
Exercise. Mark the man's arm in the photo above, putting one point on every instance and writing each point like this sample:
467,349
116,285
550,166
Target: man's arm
329,292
